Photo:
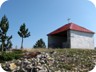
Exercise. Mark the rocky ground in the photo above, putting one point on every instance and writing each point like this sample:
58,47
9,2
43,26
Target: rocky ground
59,60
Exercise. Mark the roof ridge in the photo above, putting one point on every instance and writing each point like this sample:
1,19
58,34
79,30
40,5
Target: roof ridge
71,26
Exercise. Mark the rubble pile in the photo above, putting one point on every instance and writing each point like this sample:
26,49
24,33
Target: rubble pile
54,61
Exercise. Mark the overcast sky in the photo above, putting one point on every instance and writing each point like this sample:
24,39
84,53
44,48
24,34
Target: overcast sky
44,16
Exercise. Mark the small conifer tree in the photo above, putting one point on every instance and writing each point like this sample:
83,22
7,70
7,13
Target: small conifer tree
40,44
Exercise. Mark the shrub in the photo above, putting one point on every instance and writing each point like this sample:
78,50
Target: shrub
9,56
6,56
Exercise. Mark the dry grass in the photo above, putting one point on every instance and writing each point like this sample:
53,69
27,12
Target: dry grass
48,50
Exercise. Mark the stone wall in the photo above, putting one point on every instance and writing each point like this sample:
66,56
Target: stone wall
81,40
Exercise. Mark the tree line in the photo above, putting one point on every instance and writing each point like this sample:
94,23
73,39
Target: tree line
23,32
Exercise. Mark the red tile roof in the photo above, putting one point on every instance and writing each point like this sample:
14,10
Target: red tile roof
70,26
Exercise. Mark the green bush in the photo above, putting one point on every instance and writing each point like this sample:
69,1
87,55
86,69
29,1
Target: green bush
9,56
6,56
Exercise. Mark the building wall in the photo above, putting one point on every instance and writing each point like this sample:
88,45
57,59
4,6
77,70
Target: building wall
81,40
56,41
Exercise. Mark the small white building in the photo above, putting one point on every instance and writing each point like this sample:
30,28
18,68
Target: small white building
71,36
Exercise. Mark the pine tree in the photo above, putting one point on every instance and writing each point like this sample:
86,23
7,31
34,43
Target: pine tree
4,26
40,44
23,33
